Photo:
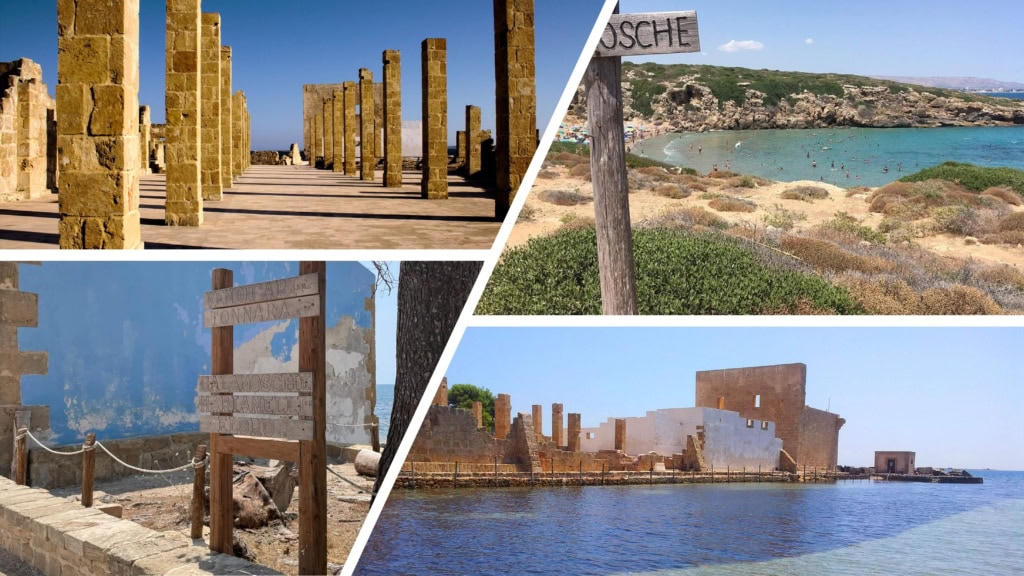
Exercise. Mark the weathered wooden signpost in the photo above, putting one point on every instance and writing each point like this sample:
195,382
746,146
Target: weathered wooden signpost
624,35
284,414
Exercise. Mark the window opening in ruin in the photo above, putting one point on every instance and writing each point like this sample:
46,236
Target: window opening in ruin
764,425
750,423
721,402
591,435
757,401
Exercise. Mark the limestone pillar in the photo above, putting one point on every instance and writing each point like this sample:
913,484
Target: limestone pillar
378,121
556,424
98,126
338,135
502,416
145,138
366,124
434,183
392,119
237,123
515,97
226,150
184,205
246,136
574,432
350,92
620,434
32,131
538,421
460,146
211,87
478,413
328,134
472,140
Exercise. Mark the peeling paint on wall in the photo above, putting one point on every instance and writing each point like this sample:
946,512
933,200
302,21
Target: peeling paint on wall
127,345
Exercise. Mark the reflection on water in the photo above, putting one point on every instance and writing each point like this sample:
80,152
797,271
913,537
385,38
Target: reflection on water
714,529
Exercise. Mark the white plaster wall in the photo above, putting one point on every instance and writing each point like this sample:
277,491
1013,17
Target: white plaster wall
727,440
348,375
412,138
729,443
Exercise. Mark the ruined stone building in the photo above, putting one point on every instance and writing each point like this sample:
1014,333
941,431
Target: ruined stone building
898,462
777,394
28,145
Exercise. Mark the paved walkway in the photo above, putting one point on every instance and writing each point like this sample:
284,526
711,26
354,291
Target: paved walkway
292,207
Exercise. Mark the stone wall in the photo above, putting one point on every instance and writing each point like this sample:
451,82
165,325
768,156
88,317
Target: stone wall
450,434
17,310
819,442
46,470
57,536
26,114
904,462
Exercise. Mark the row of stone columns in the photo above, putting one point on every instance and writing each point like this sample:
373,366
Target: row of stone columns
102,131
28,164
516,118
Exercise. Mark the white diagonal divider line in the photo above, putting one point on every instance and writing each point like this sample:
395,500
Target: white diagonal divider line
490,261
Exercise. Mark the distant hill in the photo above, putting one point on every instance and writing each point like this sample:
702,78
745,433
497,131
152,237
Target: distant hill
957,83
697,98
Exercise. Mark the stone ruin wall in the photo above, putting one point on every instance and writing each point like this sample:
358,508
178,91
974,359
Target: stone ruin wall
28,160
819,445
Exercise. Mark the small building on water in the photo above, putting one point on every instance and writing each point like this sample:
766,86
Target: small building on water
890,462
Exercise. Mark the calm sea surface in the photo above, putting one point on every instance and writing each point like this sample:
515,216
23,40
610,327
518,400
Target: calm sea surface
791,155
385,399
855,527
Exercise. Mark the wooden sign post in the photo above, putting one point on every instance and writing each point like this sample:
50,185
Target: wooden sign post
624,35
284,414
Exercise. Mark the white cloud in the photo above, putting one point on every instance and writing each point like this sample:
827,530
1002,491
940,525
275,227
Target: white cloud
809,41
738,45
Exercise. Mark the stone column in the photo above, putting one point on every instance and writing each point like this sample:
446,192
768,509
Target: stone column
338,135
184,205
472,140
556,424
226,150
145,138
350,92
392,119
460,146
328,134
378,121
366,125
620,434
502,416
211,87
237,125
98,126
478,413
434,183
538,421
574,432
247,136
33,100
515,97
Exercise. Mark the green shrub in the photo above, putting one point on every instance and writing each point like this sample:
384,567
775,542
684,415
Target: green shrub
782,218
805,193
677,273
846,224
976,178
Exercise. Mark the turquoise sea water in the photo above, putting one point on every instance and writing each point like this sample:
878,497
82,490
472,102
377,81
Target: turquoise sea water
860,527
791,155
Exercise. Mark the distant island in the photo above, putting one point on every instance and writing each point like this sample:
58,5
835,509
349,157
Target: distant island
962,83
697,98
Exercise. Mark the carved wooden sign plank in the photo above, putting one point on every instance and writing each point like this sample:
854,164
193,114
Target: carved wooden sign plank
649,33
305,285
300,382
301,406
301,307
265,427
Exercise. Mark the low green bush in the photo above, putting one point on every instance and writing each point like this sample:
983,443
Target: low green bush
677,273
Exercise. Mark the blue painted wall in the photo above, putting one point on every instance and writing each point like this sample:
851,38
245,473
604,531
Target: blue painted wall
126,341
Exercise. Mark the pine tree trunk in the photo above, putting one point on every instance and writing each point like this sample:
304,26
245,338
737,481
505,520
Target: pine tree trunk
431,296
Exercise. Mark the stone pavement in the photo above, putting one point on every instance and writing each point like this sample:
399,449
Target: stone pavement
292,207
12,566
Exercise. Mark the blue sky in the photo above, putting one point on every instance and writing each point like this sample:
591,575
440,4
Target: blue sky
386,323
868,37
953,395
279,46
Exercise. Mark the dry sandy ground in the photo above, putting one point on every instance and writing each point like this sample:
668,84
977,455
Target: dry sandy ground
645,204
161,502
